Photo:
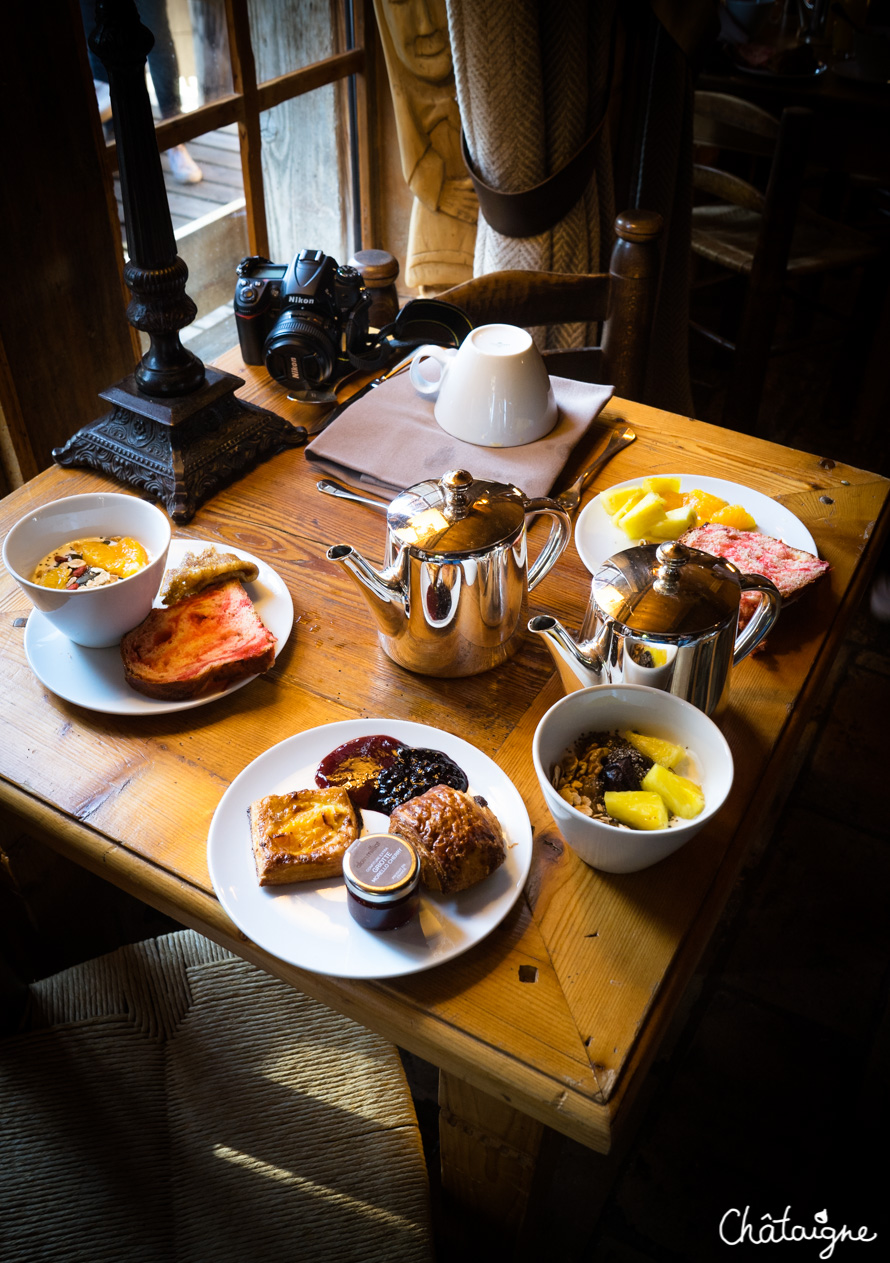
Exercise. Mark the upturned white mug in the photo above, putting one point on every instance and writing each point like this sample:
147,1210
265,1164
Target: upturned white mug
493,390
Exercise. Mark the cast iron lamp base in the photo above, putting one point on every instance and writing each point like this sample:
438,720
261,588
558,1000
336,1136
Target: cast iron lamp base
183,449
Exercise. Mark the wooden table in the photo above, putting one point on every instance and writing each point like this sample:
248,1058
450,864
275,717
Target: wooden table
553,1020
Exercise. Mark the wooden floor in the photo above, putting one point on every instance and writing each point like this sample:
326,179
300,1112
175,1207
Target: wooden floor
218,156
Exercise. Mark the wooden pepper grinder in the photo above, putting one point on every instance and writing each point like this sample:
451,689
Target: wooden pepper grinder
379,270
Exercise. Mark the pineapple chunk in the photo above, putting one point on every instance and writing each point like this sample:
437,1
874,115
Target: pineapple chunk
618,498
682,797
661,483
673,524
655,748
639,520
635,808
734,515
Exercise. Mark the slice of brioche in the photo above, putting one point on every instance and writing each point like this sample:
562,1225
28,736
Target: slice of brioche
204,643
198,571
302,835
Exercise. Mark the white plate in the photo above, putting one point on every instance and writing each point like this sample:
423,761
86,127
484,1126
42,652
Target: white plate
94,678
597,539
308,924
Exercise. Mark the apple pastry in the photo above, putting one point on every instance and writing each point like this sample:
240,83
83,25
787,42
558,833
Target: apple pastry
302,835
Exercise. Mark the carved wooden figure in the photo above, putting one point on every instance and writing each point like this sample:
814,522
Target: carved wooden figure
442,233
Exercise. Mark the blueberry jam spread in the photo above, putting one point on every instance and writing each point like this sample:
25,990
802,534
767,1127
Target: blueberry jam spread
412,773
380,773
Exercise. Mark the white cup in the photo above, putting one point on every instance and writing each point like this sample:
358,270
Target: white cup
493,390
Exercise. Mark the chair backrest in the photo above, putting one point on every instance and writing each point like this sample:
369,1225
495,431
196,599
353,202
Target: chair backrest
729,123
621,300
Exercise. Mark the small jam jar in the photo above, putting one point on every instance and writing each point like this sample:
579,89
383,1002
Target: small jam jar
382,875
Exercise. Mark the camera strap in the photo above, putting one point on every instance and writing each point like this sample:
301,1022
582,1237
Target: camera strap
420,321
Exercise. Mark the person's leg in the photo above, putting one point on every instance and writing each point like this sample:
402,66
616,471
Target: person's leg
163,65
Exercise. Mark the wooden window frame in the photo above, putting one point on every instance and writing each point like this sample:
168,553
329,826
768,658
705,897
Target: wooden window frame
250,99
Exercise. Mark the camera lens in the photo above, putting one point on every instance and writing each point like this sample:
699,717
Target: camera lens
300,349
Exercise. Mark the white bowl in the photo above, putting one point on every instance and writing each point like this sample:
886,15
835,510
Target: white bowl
607,708
94,617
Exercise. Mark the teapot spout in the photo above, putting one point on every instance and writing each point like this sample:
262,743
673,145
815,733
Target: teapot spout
578,668
383,591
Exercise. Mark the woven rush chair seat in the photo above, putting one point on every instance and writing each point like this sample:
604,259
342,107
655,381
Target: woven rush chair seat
170,1102
729,235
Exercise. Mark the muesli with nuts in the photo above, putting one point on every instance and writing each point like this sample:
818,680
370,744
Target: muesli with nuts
598,762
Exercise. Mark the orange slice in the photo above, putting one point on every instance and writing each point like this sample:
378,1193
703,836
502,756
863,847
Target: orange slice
705,505
734,515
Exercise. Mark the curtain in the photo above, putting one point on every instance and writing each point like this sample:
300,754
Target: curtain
531,82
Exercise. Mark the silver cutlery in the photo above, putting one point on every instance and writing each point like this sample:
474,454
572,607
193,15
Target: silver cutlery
571,497
325,421
331,487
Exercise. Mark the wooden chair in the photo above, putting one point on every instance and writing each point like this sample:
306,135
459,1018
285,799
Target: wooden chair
769,238
171,1101
621,300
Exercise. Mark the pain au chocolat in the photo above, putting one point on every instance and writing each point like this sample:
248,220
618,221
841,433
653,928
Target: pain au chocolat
458,837
302,835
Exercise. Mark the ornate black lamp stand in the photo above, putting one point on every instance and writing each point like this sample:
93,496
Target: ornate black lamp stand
176,430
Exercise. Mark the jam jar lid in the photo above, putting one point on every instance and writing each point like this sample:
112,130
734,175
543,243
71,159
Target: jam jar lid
667,589
458,515
381,867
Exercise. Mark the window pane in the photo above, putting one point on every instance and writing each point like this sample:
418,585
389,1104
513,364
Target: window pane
289,34
306,173
210,224
189,64
210,39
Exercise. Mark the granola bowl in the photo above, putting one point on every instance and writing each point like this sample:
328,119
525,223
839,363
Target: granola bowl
612,709
95,617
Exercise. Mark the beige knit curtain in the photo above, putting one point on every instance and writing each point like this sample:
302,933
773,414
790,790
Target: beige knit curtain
531,80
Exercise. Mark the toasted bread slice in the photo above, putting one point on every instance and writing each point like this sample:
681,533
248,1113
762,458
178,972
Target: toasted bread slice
204,643
302,835
198,571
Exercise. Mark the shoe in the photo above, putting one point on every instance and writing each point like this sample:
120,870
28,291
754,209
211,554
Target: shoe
103,99
182,164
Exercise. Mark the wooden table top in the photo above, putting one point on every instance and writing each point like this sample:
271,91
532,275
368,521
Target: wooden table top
560,1010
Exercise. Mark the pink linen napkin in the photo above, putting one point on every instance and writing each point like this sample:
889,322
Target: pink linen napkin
390,439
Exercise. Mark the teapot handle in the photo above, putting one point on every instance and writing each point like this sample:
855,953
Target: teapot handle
560,534
766,614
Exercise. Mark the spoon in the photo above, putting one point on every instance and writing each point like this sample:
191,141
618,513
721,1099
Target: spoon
332,488
571,497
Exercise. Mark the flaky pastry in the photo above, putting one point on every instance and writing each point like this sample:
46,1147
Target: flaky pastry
302,835
458,837
198,571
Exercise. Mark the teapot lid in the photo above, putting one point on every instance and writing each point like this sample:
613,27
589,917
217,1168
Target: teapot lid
668,589
457,515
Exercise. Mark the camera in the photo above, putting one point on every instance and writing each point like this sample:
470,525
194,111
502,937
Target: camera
307,321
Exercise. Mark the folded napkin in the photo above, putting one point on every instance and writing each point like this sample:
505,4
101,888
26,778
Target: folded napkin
390,439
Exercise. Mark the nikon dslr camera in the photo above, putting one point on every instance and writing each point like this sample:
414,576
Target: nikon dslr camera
307,321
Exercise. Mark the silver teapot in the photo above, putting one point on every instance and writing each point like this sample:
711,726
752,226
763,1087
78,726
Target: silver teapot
667,616
452,597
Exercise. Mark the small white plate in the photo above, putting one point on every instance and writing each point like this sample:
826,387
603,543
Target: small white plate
597,538
94,678
308,924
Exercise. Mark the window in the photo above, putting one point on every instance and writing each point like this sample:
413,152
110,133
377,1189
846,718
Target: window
259,109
